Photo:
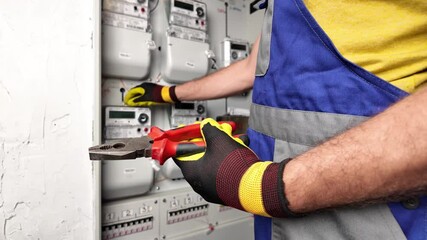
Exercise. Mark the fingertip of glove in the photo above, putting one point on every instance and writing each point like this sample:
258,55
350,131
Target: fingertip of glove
210,129
209,123
133,93
226,127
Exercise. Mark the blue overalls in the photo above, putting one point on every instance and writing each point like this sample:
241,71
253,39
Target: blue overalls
304,93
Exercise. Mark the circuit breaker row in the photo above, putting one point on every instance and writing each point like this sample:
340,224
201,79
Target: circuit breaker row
165,216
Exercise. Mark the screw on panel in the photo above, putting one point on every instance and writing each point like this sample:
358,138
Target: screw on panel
164,200
164,237
155,202
411,203
122,90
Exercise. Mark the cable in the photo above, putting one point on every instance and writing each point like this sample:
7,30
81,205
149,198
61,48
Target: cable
155,6
226,19
214,66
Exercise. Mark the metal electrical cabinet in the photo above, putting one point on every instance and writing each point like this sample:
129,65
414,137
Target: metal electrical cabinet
165,42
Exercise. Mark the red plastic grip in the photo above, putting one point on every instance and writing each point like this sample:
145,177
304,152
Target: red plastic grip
181,133
163,149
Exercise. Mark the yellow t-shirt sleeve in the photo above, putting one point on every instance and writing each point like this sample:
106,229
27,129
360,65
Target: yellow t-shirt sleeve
387,38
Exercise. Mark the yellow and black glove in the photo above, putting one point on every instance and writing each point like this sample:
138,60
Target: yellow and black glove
230,173
148,94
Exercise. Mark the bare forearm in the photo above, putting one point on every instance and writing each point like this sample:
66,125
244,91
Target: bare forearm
382,158
223,83
238,77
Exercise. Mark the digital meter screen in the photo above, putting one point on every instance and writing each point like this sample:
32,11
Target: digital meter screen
121,114
238,47
184,5
185,106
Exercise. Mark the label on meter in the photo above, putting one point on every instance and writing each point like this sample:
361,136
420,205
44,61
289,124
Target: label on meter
189,22
187,33
134,8
121,21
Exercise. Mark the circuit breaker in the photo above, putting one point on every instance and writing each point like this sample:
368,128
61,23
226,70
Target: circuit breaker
131,219
180,214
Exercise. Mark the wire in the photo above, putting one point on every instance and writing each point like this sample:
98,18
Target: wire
155,6
226,19
214,65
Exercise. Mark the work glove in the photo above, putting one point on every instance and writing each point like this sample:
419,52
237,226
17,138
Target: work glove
148,94
229,173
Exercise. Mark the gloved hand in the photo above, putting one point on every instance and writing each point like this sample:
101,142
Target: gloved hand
147,94
229,173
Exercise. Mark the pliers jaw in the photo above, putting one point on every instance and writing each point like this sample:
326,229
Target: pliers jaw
128,148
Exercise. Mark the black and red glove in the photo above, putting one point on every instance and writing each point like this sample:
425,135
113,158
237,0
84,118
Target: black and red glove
230,173
147,94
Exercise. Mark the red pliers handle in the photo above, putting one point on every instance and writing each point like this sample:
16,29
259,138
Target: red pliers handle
170,143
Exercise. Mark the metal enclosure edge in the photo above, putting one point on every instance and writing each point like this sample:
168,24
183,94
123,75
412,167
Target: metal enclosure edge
97,125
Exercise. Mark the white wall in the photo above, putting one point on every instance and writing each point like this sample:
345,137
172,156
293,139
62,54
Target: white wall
46,108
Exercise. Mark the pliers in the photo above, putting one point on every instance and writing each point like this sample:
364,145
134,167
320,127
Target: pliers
159,145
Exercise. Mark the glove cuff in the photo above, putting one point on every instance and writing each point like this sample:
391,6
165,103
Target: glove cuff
286,212
172,94
168,94
261,190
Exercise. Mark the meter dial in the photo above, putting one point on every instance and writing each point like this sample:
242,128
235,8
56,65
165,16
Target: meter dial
200,12
143,118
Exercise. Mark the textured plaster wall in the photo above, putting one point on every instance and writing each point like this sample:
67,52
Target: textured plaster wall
46,107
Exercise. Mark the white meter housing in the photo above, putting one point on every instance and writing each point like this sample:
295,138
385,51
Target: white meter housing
233,50
186,45
126,178
184,60
127,39
126,53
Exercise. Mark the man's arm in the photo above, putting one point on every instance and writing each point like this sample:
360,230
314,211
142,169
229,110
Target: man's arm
236,78
383,158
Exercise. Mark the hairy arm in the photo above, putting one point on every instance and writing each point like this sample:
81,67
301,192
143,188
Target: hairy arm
236,78
383,158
